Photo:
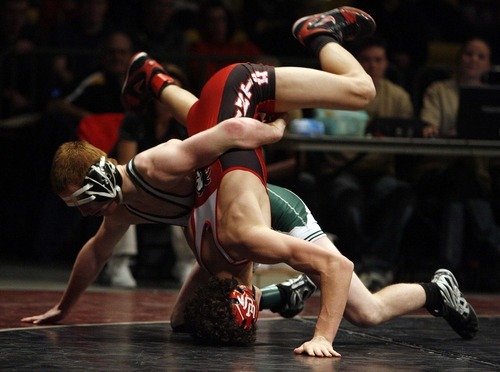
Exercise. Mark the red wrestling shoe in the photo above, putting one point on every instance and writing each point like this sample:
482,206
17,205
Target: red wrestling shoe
145,79
344,24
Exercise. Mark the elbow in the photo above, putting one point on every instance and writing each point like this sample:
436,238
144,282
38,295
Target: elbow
339,265
234,129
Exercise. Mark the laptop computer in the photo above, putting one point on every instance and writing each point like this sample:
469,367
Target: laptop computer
479,113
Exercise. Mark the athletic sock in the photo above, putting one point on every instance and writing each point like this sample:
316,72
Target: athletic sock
318,42
433,298
272,298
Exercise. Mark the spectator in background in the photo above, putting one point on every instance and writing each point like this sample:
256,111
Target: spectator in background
79,36
368,207
97,95
440,105
220,42
482,17
392,100
100,91
458,189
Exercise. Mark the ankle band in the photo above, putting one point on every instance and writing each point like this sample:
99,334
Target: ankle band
433,299
317,43
272,298
159,82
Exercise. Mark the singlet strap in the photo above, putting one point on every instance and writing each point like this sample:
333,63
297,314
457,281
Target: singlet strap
185,201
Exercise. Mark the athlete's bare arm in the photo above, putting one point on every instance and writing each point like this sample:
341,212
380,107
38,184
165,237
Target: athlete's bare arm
241,197
89,263
180,157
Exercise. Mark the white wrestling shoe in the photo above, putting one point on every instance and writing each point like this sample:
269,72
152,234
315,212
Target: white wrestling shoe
297,291
459,314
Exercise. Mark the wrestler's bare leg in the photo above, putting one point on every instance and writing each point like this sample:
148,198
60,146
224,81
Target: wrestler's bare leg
178,100
343,83
366,309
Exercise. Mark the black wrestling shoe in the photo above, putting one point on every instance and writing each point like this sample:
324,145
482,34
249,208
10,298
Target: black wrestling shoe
344,24
459,314
297,290
145,80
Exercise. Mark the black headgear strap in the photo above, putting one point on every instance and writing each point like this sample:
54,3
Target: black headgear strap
103,182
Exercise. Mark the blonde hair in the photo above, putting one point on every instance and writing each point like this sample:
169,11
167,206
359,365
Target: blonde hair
71,163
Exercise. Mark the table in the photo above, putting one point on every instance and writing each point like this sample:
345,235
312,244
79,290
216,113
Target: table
392,145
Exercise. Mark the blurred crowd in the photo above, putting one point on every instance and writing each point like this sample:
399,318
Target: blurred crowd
63,63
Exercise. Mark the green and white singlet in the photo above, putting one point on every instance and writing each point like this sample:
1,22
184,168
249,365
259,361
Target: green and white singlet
290,215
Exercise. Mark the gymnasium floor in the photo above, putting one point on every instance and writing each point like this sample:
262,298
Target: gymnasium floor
119,330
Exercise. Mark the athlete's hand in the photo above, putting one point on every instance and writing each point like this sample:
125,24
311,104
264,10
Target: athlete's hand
279,125
51,316
319,347
430,131
248,133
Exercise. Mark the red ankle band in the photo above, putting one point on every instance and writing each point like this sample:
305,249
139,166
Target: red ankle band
159,82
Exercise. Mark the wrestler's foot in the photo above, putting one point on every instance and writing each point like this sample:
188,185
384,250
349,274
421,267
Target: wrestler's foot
297,290
145,80
459,314
343,24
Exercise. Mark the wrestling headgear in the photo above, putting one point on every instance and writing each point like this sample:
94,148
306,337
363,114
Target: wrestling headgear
102,182
245,308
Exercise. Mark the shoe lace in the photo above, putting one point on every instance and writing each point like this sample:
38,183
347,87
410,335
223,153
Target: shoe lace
452,296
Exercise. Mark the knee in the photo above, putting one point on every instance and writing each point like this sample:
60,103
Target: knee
364,90
368,313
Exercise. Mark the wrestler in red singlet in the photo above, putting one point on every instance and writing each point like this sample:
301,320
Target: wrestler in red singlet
239,90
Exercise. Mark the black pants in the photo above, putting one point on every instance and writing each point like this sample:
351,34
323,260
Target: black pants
369,216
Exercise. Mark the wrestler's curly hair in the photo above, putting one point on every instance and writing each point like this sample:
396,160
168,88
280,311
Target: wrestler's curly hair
209,315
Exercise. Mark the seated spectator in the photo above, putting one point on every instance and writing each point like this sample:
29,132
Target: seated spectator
440,103
368,206
482,18
220,42
458,189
